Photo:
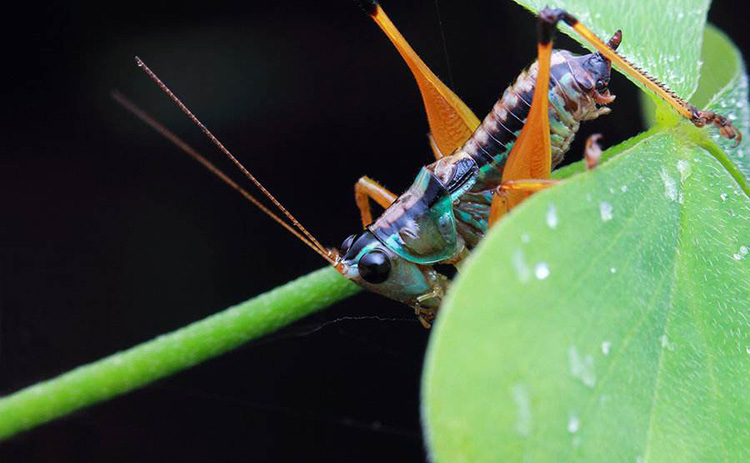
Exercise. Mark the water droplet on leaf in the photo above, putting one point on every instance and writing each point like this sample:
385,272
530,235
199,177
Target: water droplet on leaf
552,216
541,271
574,424
521,267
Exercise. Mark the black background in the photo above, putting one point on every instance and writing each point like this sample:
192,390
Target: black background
110,236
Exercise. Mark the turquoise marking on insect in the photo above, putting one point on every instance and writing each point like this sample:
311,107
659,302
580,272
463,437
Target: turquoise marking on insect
420,226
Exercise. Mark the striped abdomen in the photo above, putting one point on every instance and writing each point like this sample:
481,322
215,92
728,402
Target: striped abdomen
491,143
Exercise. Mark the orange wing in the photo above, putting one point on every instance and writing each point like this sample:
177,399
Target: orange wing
451,121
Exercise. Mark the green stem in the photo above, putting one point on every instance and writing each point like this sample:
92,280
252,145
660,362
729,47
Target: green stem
140,365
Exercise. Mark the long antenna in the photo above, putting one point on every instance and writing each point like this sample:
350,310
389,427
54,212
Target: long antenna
330,255
190,151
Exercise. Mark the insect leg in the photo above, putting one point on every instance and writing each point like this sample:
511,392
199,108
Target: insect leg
593,151
697,117
506,189
425,316
366,189
531,185
451,121
531,156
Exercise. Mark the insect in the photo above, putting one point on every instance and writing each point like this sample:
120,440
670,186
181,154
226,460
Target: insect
482,169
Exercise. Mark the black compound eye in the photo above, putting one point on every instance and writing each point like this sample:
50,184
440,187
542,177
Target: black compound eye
600,85
374,267
346,245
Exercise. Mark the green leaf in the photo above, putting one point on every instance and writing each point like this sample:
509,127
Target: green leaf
606,320
723,88
662,37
